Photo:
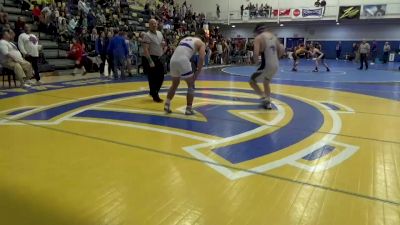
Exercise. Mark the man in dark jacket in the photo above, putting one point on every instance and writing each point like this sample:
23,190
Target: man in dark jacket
102,43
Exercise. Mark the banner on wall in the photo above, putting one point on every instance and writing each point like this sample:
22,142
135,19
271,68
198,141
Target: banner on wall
308,13
349,12
374,10
282,12
246,15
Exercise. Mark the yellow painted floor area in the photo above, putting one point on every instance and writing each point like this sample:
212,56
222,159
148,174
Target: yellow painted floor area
77,170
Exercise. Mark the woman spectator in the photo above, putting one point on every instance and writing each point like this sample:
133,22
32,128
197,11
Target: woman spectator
72,25
63,31
92,40
36,12
76,53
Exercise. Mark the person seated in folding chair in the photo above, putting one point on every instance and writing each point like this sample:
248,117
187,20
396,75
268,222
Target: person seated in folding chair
11,58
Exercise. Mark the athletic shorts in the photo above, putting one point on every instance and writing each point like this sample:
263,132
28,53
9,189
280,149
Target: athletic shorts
297,57
265,74
181,68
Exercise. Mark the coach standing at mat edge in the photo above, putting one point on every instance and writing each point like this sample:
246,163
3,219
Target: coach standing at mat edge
153,42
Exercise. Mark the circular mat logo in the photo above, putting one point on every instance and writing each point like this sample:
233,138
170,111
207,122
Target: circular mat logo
229,125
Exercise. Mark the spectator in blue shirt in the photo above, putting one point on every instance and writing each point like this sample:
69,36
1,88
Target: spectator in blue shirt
119,50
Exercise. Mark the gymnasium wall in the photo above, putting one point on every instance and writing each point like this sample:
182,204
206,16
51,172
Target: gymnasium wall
209,5
328,35
382,31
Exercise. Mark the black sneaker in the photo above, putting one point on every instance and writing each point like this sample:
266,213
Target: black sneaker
316,70
157,99
328,70
294,70
266,105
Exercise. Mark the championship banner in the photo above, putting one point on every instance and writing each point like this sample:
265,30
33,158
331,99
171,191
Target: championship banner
308,13
282,12
349,12
246,15
374,10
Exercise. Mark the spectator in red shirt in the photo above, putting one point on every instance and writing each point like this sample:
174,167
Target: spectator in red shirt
76,53
36,13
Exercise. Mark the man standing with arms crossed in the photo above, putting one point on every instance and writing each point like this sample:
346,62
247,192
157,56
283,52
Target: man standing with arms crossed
153,42
364,52
29,46
268,46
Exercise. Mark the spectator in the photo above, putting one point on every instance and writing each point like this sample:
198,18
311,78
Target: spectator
129,59
45,13
338,50
119,50
72,25
364,51
36,12
91,20
61,18
241,11
141,51
220,52
3,15
110,57
12,59
102,18
147,9
83,7
19,26
63,31
356,53
374,52
218,11
101,50
386,51
29,46
76,53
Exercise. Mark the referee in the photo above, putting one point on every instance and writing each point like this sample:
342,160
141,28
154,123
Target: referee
153,42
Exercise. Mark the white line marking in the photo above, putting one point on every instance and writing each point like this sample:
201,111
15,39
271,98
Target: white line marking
345,107
144,127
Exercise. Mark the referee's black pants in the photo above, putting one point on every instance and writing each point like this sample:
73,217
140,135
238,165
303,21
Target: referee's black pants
363,60
155,75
